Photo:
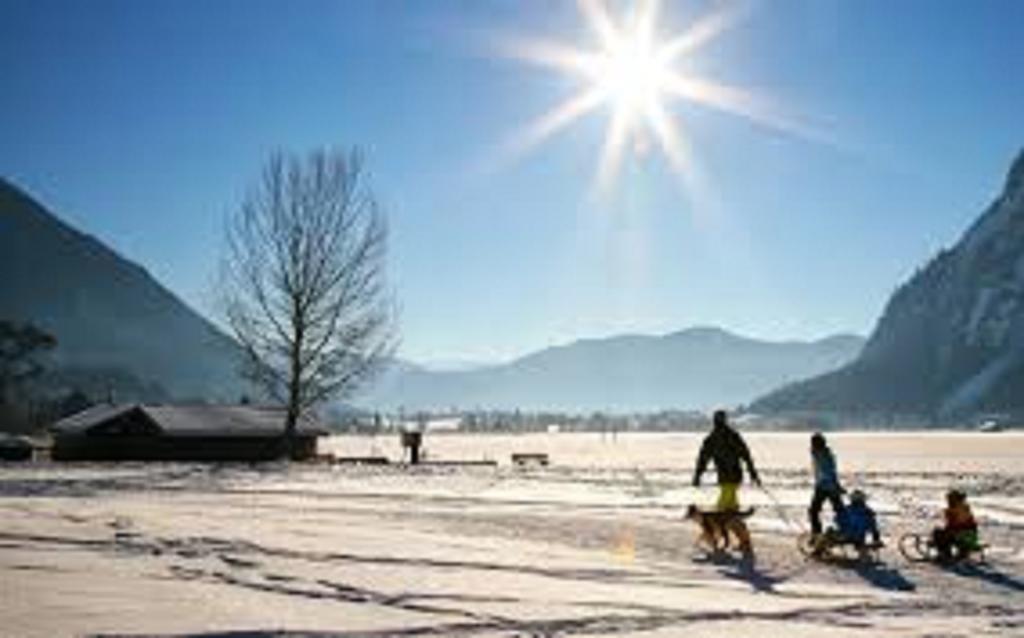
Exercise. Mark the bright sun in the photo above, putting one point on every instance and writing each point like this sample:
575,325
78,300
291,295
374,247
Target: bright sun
633,72
632,75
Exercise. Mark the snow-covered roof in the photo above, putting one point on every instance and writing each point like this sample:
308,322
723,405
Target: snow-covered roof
190,420
93,415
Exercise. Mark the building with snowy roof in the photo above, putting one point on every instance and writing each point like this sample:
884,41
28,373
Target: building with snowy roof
135,432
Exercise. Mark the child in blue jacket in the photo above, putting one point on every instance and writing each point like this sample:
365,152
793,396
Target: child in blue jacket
857,520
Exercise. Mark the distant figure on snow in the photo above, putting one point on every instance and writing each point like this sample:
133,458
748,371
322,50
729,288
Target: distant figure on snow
727,449
412,441
826,481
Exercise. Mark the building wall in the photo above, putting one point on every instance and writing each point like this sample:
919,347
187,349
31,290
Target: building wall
81,447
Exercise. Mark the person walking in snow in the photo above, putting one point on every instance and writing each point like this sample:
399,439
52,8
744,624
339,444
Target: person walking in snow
728,451
826,482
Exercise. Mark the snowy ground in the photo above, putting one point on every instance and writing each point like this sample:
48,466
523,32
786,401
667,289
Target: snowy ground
592,546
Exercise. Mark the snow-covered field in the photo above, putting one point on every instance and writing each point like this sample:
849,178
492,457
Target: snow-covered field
592,546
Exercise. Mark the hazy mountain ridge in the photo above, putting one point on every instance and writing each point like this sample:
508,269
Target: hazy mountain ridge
695,368
951,340
106,312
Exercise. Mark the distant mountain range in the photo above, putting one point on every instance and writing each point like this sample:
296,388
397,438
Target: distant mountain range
951,340
949,343
696,368
119,329
115,325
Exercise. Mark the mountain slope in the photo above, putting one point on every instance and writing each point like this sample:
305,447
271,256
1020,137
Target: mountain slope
951,340
107,313
696,368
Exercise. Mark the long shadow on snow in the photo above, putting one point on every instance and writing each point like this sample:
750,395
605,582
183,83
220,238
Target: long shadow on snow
745,569
884,577
199,547
989,574
856,615
171,477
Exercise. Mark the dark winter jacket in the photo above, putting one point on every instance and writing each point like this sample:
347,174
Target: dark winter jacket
855,521
826,477
727,449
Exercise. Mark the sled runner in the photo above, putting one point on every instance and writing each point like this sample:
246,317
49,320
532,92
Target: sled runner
833,547
920,548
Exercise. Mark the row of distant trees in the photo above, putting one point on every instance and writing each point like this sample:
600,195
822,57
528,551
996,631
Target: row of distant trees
525,421
518,421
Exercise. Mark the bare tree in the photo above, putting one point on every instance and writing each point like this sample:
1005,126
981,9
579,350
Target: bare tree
303,284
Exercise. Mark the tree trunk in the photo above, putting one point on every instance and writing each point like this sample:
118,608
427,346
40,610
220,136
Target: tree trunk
288,442
295,382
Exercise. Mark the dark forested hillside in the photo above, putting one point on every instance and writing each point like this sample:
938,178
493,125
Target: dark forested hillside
115,325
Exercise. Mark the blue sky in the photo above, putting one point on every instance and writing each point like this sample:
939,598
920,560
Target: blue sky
143,123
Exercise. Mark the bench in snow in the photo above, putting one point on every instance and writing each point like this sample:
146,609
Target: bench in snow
528,458
362,460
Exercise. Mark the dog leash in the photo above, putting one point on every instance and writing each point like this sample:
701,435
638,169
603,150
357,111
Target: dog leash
780,510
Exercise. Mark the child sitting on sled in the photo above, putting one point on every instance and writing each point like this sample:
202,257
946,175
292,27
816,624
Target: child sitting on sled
960,532
853,523
857,520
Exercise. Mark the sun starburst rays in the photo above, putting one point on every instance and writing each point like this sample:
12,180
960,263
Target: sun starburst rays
702,31
559,117
633,74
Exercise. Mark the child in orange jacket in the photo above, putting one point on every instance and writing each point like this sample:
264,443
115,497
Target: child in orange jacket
960,531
